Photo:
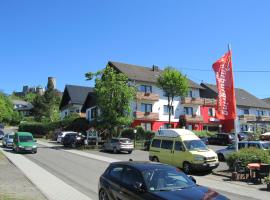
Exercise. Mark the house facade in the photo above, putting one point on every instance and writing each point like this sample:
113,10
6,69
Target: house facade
73,99
23,107
251,111
150,107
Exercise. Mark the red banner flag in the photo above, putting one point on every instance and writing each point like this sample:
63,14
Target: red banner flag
226,104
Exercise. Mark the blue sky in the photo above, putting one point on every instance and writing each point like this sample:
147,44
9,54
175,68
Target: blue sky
67,38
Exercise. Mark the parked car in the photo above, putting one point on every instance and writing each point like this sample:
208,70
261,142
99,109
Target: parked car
2,126
73,140
62,134
205,140
221,139
24,142
8,140
182,148
148,180
265,136
1,134
224,153
118,144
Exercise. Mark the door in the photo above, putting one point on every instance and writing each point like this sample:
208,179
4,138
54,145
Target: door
166,151
115,175
179,154
130,178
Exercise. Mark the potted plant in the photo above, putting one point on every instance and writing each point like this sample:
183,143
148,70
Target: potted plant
267,182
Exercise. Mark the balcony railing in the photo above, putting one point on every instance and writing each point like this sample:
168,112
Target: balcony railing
209,102
147,96
146,115
192,118
191,101
263,118
247,118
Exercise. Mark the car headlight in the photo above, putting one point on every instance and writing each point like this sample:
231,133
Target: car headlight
199,158
34,146
21,146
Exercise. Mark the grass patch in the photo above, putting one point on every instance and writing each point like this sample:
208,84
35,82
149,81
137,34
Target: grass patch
1,157
8,197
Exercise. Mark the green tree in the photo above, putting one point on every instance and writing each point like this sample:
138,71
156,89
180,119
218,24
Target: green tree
6,109
174,84
114,98
30,97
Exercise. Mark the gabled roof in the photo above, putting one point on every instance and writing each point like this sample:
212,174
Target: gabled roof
144,74
74,94
267,100
90,101
243,98
21,105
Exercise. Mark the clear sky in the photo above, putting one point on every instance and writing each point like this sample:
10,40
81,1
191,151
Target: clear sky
67,38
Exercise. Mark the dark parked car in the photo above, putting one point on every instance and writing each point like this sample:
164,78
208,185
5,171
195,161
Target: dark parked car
221,139
1,134
147,180
73,140
205,140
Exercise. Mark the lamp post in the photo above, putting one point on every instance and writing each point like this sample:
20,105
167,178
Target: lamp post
135,131
220,127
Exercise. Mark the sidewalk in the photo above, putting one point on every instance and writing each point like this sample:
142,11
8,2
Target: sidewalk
211,181
51,186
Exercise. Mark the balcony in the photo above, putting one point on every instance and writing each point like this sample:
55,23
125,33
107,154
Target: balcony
263,118
209,102
191,101
192,118
147,96
247,118
146,116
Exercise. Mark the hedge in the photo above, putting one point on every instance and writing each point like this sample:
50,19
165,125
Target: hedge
248,155
141,134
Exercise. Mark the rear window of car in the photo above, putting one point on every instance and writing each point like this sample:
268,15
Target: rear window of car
114,140
266,145
10,136
167,144
116,172
125,140
156,143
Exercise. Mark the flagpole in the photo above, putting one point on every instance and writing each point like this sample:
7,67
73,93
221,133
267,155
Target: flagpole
235,120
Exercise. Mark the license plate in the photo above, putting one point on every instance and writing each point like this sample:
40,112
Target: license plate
28,148
212,165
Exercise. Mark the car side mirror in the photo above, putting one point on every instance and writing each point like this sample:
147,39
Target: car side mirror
192,178
139,187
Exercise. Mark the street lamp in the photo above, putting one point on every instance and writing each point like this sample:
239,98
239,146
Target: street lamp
135,131
220,127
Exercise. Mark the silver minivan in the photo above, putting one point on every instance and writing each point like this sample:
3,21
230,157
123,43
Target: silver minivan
8,140
117,145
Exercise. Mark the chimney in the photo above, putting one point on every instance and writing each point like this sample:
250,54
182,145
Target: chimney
155,68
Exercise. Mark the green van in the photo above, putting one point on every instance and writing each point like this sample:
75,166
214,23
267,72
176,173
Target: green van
24,142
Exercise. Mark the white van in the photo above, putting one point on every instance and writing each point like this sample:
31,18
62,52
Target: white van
183,149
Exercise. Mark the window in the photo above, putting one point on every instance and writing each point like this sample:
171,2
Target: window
167,144
246,112
241,145
190,93
165,94
188,110
146,126
156,143
253,145
146,107
116,172
131,176
210,112
166,110
146,88
260,113
178,146
93,113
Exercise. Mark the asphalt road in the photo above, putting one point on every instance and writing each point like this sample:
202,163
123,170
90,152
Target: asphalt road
83,173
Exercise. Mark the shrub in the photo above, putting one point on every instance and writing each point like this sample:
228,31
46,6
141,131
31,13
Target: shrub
79,125
247,155
36,128
204,133
149,135
128,133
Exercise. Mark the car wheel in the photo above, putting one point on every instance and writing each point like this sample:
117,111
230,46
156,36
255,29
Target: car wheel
17,149
73,145
129,152
115,150
221,157
186,167
155,159
34,152
103,195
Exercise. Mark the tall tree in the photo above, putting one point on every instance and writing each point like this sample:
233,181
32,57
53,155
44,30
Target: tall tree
6,109
114,98
174,84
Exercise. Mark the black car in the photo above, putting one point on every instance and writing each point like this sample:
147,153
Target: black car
73,140
148,180
1,134
221,139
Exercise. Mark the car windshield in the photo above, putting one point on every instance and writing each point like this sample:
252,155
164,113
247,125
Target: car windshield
195,145
166,179
25,138
10,136
266,145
